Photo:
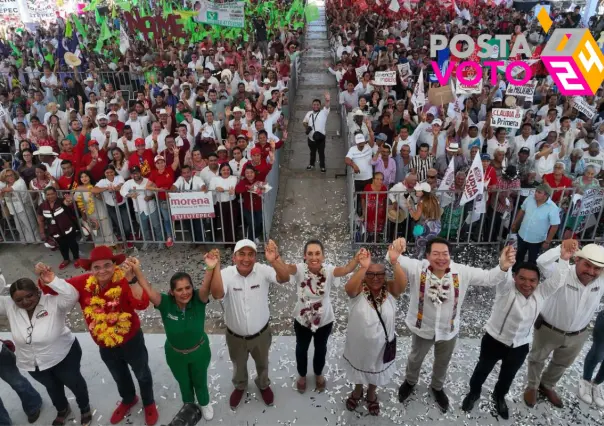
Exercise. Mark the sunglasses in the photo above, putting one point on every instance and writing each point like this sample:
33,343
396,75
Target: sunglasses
372,275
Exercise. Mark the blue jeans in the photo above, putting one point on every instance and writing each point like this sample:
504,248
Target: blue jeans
31,400
133,353
253,224
143,220
166,218
595,355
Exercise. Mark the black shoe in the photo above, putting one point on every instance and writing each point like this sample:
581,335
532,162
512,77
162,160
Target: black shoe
323,170
34,416
501,406
309,167
405,391
442,400
469,401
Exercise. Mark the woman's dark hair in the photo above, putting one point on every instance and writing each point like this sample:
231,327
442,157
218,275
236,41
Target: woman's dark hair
87,173
529,267
41,167
110,167
437,240
24,284
179,276
315,241
223,165
49,189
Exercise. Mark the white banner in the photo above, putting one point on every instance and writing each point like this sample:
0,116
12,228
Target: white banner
474,185
464,89
527,90
507,118
590,203
582,106
385,78
191,205
359,71
229,14
418,99
29,11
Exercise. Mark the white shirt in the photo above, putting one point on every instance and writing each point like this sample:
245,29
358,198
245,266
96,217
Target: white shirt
109,196
98,135
246,309
55,168
18,199
597,161
206,175
196,127
242,121
129,144
397,193
226,184
304,292
436,322
493,144
193,184
363,161
238,167
51,339
161,141
513,314
140,205
530,142
319,123
572,307
545,165
139,127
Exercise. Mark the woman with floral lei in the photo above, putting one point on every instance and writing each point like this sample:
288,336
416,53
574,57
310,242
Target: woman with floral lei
313,314
109,296
437,289
370,348
93,209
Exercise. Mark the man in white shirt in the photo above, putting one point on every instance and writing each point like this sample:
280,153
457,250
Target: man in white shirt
105,134
594,157
126,142
438,288
157,136
209,171
359,159
561,328
518,301
315,122
139,124
144,205
527,139
243,289
193,125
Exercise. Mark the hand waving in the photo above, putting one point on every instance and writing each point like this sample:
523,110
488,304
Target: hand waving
364,258
568,249
271,252
44,272
212,259
507,258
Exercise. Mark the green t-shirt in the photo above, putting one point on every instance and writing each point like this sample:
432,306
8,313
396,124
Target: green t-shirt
184,329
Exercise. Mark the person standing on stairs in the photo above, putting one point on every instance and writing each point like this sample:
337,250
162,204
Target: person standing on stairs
315,122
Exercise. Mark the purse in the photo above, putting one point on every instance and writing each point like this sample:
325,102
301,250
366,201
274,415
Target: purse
390,348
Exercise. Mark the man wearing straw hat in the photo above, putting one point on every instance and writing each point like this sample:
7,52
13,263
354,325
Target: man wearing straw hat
109,297
561,328
51,160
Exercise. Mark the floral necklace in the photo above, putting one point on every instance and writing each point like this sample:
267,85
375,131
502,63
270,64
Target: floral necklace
312,304
439,289
83,205
107,324
379,299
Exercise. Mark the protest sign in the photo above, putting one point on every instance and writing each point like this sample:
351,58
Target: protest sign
146,25
590,203
229,14
582,106
29,11
464,89
359,71
191,205
404,70
507,118
526,90
385,78
474,185
440,95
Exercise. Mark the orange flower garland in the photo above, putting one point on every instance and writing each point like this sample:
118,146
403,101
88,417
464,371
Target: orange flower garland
107,324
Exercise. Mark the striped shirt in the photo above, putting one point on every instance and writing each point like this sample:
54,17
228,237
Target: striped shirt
421,166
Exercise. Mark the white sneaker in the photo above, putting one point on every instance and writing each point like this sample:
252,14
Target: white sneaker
585,391
598,396
207,411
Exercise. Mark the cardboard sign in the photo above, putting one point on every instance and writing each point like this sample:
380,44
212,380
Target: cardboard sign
582,106
590,203
156,25
359,71
404,70
191,205
527,90
385,78
507,118
440,95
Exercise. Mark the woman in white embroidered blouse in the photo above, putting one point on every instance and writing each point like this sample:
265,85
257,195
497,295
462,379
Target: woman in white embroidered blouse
227,212
370,348
313,313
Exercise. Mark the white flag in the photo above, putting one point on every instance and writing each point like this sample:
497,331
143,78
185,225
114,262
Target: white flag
124,41
448,184
419,96
407,5
474,185
394,6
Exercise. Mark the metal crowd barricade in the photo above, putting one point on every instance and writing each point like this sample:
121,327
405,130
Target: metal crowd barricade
148,223
460,224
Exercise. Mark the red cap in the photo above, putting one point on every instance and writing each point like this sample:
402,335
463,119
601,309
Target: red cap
139,141
256,151
92,142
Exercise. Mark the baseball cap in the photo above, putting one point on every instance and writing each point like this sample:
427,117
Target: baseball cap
243,244
92,142
159,158
359,138
524,150
221,148
382,137
135,169
485,157
139,141
437,122
255,151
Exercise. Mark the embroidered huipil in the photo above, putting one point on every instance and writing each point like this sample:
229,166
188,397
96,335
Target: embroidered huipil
440,321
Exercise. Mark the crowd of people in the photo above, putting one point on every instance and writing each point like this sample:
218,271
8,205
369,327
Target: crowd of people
115,287
401,145
99,143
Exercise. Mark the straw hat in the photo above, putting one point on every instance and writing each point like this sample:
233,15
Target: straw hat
397,216
45,150
72,60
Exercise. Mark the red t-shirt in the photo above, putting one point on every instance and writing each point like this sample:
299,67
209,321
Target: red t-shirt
266,148
145,162
98,171
163,180
66,183
263,169
119,126
565,182
127,304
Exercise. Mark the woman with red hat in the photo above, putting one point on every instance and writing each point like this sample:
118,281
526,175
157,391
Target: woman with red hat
109,296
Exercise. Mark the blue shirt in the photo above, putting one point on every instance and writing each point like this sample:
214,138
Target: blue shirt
538,219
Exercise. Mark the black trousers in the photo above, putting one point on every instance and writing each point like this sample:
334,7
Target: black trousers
303,337
532,249
133,353
492,351
65,374
314,147
68,242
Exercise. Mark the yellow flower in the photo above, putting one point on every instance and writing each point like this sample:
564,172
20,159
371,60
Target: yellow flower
95,300
114,293
124,316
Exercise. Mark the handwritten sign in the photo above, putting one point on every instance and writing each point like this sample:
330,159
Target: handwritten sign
191,205
359,71
582,106
440,95
404,70
507,118
385,78
526,90
590,203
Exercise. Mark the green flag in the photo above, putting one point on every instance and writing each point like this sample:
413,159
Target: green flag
124,5
105,32
68,29
311,12
79,26
16,51
97,17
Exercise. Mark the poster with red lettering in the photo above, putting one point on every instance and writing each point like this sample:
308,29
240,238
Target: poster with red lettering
191,205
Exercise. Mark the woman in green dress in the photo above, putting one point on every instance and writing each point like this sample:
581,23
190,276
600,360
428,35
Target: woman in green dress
187,348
